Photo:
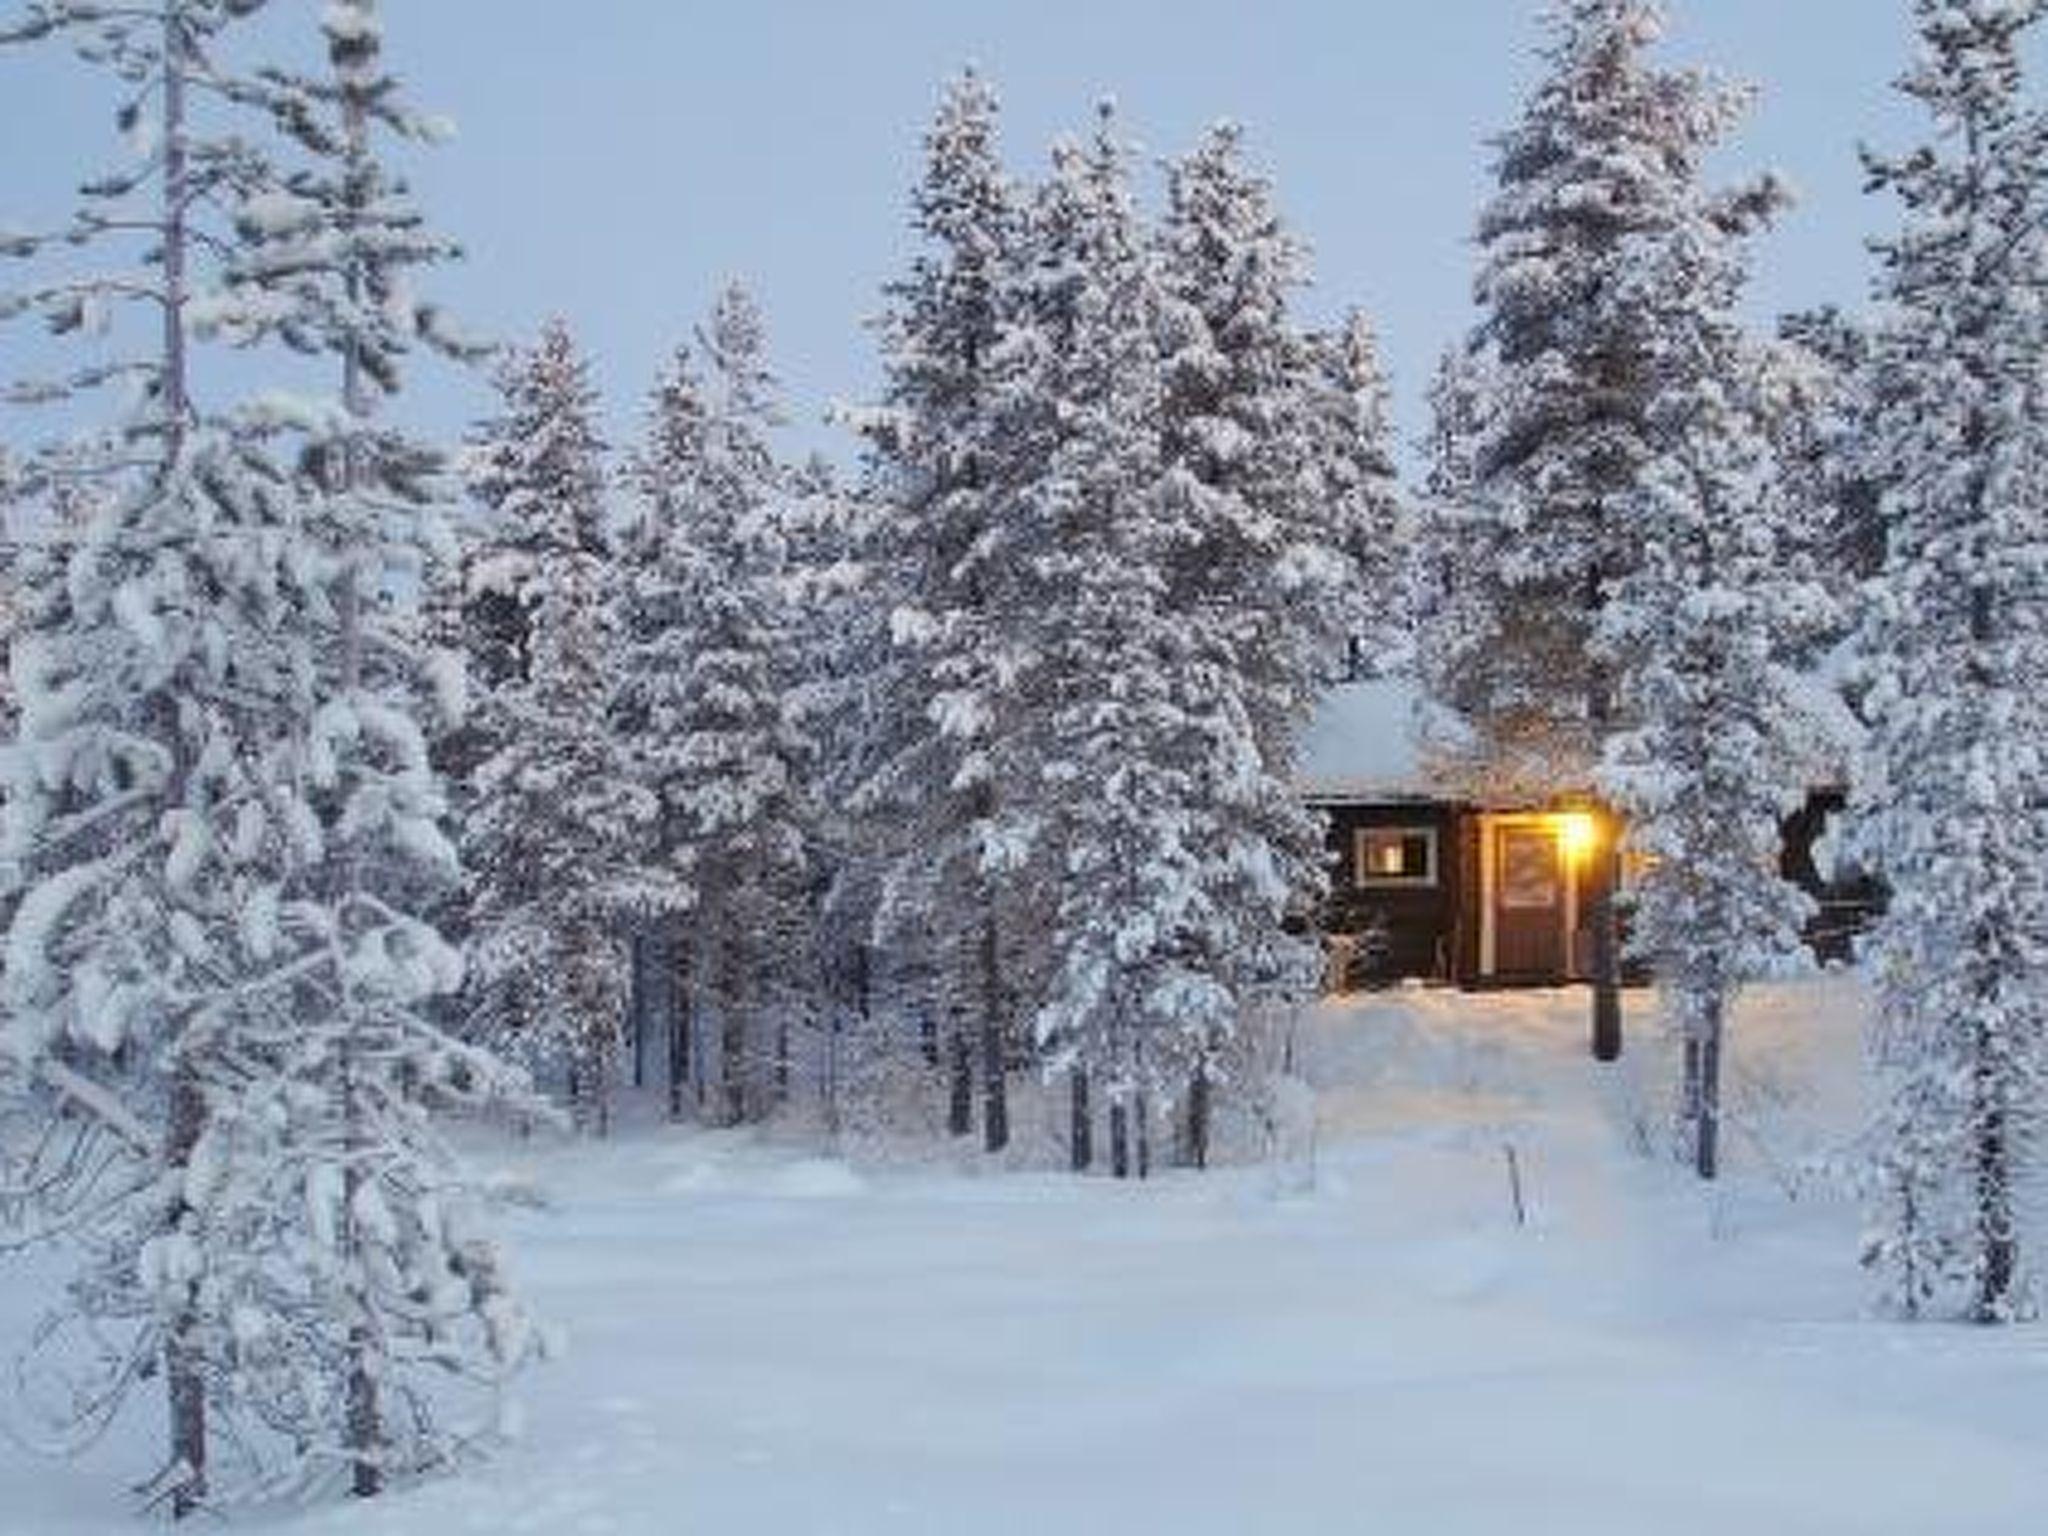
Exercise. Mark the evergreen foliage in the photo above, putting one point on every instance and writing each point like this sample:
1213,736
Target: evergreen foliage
555,811
1951,800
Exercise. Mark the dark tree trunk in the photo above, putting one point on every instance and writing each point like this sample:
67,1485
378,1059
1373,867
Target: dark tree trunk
782,1062
1606,974
183,1375
1080,1128
960,1104
1198,1119
995,1100
1141,1117
1707,1161
1119,1139
1998,1245
640,1007
732,1063
681,1023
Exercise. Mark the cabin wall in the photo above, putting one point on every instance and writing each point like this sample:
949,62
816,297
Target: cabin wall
1396,928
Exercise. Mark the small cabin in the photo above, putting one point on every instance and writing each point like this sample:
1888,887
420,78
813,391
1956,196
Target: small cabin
1476,892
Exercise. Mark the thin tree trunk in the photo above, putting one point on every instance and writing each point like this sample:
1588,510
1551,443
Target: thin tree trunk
1141,1116
960,1102
183,1377
679,1016
184,1382
1707,1162
1198,1118
995,1102
1080,1128
1998,1246
1119,1138
641,1004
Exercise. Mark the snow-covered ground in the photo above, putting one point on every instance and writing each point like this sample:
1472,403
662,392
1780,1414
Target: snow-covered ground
1354,1336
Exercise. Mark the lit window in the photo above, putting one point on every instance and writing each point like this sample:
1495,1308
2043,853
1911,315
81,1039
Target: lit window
1397,856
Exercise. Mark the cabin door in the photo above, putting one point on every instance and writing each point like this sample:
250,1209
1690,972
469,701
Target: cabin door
1529,900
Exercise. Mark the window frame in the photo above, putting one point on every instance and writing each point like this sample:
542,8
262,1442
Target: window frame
1361,872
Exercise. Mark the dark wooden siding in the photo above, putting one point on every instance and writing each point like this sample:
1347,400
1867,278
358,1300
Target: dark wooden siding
1398,930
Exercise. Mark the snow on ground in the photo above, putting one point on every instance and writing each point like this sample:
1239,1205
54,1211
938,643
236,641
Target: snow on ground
1355,1337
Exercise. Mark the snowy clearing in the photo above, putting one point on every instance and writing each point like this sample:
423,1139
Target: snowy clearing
765,1340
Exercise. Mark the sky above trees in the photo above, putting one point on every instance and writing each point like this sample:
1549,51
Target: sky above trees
618,163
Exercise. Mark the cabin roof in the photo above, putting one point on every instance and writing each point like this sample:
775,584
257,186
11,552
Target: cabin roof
1365,741
1362,745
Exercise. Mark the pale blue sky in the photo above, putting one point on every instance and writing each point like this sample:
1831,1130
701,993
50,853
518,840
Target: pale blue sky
618,159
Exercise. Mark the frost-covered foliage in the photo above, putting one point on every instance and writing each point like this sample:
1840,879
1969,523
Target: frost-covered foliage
707,697
1120,505
218,813
1700,636
1357,494
1545,443
555,810
946,449
1952,807
1115,746
1274,478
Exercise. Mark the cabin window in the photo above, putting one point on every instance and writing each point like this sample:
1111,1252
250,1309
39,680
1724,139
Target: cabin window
1396,856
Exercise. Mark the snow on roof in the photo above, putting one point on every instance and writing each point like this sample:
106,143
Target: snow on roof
1365,742
1362,745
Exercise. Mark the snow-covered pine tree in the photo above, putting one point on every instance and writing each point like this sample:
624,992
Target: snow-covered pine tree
1552,434
657,629
1699,636
1952,807
942,466
1357,491
136,825
1259,570
1117,754
710,676
555,809
383,1279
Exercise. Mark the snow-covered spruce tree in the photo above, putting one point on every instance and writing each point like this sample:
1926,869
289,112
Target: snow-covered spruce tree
148,689
1699,636
659,887
709,682
213,977
942,466
1118,755
1552,434
1952,807
555,810
1259,571
386,1283
1357,493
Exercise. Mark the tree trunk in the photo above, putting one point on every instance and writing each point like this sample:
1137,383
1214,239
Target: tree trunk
183,1373
1141,1117
1080,1129
1707,1140
640,1007
1119,1139
960,1103
1606,974
732,1057
676,1012
1198,1118
1998,1246
995,1101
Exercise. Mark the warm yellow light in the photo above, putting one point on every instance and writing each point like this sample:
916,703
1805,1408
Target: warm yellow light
1578,832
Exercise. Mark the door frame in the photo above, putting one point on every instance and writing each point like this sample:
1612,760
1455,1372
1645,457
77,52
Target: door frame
1491,824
